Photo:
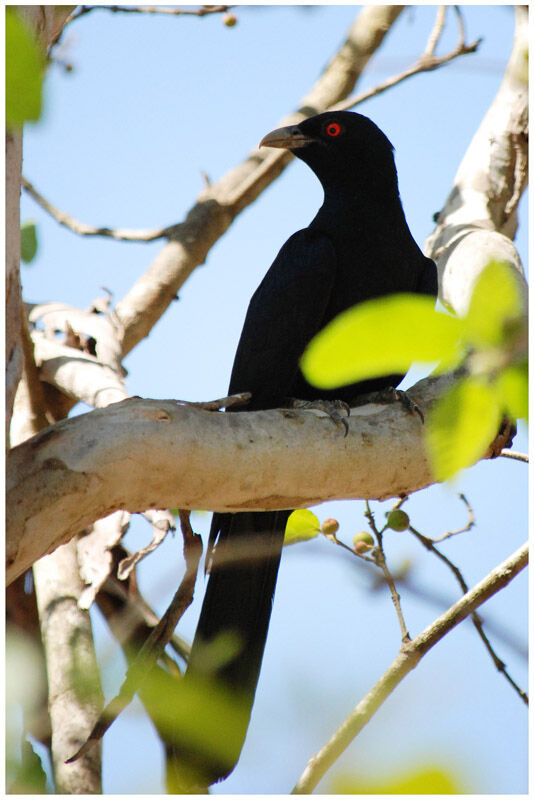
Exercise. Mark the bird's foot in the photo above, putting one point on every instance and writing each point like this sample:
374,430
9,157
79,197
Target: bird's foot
392,395
330,407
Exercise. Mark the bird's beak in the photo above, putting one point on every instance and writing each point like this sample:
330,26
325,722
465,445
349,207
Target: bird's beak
289,138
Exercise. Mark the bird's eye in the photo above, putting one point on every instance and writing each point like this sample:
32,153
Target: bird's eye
333,129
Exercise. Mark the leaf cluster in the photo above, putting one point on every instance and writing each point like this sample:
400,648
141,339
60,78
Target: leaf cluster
387,335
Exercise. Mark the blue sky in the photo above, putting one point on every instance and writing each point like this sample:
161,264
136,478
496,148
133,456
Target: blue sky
152,103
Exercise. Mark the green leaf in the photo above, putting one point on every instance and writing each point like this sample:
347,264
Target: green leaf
379,337
512,387
301,526
28,242
496,299
24,72
30,776
190,714
424,780
461,426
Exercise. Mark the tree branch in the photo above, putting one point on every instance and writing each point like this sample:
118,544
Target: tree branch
477,621
505,453
82,229
407,659
134,454
479,216
218,205
155,644
74,691
202,11
427,62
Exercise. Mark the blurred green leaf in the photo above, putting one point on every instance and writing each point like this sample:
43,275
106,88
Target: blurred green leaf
461,426
496,299
380,337
301,526
188,713
512,387
422,780
30,776
24,72
28,241
220,650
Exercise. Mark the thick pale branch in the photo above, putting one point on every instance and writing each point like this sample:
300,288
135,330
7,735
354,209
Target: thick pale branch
74,692
479,217
408,658
141,454
78,375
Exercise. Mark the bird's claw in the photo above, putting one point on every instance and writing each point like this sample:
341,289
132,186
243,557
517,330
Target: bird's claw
392,395
330,407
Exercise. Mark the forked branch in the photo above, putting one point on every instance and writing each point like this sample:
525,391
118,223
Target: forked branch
409,656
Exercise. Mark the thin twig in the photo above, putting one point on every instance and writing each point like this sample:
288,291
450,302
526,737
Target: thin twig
507,453
401,578
467,527
129,616
426,62
202,11
436,32
156,642
477,621
461,26
380,558
82,229
407,659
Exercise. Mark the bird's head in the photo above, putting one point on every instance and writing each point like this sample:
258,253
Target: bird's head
338,146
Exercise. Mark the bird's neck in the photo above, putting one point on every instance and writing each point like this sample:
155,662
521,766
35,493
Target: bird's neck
367,202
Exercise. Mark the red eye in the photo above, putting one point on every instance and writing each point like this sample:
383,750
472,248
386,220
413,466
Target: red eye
333,129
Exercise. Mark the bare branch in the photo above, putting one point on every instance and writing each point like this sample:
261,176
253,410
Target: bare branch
380,560
202,11
408,658
156,642
436,32
95,558
479,217
162,522
129,616
139,453
217,206
427,62
467,527
477,621
82,229
75,694
506,453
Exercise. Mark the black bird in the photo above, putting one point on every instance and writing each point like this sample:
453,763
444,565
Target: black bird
357,247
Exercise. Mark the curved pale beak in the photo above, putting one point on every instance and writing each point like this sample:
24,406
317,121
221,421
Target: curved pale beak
288,138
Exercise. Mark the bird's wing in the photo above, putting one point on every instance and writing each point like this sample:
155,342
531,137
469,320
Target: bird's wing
286,311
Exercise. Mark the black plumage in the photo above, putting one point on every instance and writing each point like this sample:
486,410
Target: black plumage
357,247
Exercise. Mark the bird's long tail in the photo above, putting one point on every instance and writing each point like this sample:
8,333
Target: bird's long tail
227,650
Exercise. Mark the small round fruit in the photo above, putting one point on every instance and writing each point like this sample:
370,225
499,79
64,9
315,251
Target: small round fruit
398,520
230,20
362,542
329,527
